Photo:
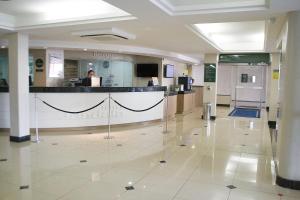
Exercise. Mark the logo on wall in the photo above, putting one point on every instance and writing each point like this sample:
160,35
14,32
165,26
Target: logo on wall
39,63
106,64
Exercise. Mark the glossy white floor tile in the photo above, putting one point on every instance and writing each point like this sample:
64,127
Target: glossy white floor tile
194,160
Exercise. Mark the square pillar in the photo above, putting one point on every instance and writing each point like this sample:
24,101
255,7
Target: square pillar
210,82
274,89
18,53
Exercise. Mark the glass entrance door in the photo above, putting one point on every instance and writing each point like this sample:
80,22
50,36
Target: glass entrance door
250,86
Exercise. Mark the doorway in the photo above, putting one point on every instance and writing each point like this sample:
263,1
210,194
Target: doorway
249,90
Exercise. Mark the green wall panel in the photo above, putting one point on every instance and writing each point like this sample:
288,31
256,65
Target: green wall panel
250,58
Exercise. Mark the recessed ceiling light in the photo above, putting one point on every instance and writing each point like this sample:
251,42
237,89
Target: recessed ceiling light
192,7
234,36
2,47
73,9
84,49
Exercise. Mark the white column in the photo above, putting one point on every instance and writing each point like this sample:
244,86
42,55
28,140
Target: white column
273,89
19,87
289,119
210,88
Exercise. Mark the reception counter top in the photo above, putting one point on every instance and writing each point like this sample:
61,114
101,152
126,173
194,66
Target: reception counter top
68,107
89,89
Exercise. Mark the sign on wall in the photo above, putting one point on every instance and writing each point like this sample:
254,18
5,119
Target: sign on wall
39,63
275,74
250,58
210,72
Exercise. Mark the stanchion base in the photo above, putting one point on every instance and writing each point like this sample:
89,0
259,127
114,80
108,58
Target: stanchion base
36,141
109,137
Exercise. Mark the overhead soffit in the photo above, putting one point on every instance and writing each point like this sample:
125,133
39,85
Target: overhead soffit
188,7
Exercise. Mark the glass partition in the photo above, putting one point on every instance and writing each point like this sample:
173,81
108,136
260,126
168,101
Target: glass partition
115,73
3,69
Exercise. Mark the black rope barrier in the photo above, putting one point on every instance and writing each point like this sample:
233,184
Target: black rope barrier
71,112
133,110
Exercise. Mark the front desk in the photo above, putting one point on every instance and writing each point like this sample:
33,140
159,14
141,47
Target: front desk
69,100
185,102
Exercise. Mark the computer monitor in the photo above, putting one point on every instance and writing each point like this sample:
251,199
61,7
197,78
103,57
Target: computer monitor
96,81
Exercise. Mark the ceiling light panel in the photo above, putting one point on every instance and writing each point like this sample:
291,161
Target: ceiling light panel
188,7
234,36
43,11
68,9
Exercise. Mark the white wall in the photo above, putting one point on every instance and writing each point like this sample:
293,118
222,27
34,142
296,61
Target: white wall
225,81
229,74
198,74
273,87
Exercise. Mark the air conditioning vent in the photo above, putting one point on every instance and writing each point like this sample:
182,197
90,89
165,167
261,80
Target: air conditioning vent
105,35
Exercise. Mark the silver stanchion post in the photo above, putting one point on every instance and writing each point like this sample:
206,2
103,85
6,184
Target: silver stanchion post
166,113
37,138
108,134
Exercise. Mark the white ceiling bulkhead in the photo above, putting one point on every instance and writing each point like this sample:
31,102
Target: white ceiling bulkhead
157,25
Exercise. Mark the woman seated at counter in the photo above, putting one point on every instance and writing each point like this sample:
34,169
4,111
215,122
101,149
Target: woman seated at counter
87,81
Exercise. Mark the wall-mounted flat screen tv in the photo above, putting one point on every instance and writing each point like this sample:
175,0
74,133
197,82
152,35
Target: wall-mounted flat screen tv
169,71
147,70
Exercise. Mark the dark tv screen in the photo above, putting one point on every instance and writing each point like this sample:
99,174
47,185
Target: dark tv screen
147,70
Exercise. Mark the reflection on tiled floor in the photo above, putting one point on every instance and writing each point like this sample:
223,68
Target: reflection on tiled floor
201,160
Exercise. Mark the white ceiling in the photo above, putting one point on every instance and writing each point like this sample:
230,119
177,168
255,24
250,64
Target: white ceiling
154,28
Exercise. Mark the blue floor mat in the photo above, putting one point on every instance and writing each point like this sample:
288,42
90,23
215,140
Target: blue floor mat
245,112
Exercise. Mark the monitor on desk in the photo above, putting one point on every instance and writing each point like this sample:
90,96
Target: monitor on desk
96,81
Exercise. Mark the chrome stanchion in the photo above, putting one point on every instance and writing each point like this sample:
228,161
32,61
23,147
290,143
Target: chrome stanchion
108,134
37,138
166,113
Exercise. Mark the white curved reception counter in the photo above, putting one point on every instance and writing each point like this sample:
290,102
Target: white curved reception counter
83,107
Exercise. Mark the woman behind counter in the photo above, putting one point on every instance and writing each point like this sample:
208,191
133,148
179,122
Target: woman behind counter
87,81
